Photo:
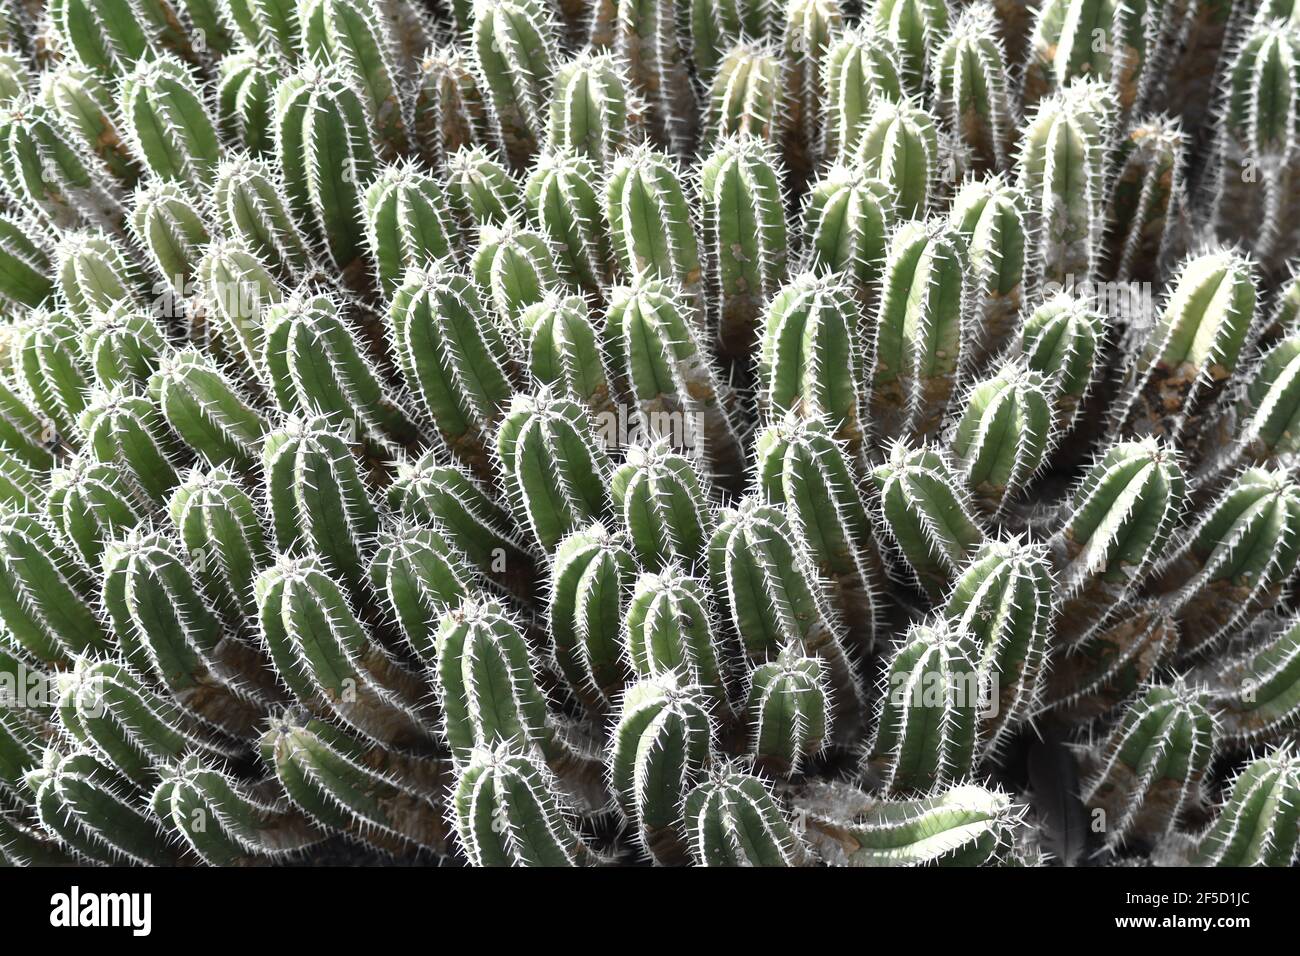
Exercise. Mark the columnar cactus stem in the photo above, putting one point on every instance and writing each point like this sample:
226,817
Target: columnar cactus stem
22,433
745,235
448,112
22,487
171,233
515,266
746,96
1257,691
453,357
123,346
1150,769
167,123
916,28
564,350
563,195
554,472
330,662
661,745
318,498
93,273
83,105
24,264
860,65
927,723
969,75
926,512
989,215
407,223
788,704
246,84
809,30
250,208
716,26
51,369
1115,526
126,429
669,627
645,37
845,221
1062,339
664,504
1259,823
515,52
1004,604
207,411
272,25
89,504
104,36
480,190
236,291
899,145
922,331
733,820
591,112
1144,221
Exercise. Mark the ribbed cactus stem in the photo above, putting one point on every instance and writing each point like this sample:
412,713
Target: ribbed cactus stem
448,111
407,223
846,221
969,74
788,705
514,46
591,111
563,195
1257,691
207,411
1259,823
124,427
989,215
899,145
732,819
89,504
669,626
1147,205
25,271
124,345
166,121
860,65
664,504
250,208
1062,340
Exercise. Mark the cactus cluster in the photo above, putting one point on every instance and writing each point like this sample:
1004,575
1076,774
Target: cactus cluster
724,432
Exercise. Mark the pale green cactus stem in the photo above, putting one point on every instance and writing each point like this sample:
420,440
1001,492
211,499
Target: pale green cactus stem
22,743
430,491
1257,691
746,96
961,826
326,151
1284,310
810,363
224,821
788,705
661,745
378,797
207,411
745,234
360,36
25,269
22,487
420,575
664,504
480,190
248,197
51,369
166,122
105,36
167,628
1150,770
454,358
899,145
732,819
928,719
808,31
42,170
564,350
1236,559
270,25
214,516
1145,219
651,222
1004,435
407,223
656,354
45,601
123,345
846,219
801,465
171,232
515,266
15,77
246,84
1064,177
205,27
1259,822
1255,201
1269,406
716,25
970,78
646,38
23,435
764,580
515,52
591,578
123,427
89,504
236,292
93,812
1062,340
1117,41
927,513
1116,524
317,496
554,471
1004,604
860,65
922,330
564,198
330,662
1182,370
669,626
591,110
108,710
916,28
448,113
93,273
81,101
506,812
317,366
989,215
